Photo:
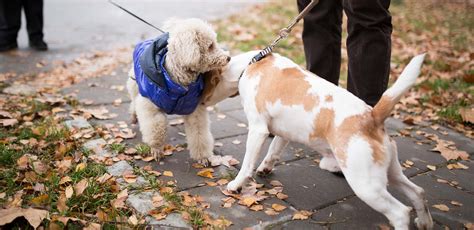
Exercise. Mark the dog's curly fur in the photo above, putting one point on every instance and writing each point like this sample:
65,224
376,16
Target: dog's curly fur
192,49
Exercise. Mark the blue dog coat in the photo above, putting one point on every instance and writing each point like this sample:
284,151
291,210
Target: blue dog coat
155,83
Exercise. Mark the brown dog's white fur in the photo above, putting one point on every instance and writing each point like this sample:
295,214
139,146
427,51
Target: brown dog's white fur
280,97
192,49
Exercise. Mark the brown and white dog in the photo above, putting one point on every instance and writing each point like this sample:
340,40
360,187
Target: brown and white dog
280,97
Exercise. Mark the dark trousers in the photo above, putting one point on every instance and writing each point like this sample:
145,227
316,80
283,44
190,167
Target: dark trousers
10,19
368,44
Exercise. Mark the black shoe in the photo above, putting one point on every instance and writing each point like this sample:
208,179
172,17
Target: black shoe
39,45
8,47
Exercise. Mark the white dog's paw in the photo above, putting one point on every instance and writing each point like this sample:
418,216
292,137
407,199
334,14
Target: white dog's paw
234,187
264,170
330,164
424,225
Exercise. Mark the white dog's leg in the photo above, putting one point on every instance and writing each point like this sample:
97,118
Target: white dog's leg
273,155
369,182
152,124
257,134
329,163
411,190
198,135
132,89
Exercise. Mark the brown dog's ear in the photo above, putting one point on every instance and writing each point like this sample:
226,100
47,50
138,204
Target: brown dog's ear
211,79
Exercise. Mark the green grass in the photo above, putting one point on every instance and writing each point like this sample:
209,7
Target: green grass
451,112
8,155
117,147
197,218
91,170
143,149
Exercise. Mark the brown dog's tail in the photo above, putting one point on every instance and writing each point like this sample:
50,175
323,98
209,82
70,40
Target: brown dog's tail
384,107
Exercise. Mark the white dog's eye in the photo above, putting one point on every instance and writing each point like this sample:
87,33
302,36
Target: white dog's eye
211,46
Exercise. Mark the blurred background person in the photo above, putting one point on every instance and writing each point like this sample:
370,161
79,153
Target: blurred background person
10,23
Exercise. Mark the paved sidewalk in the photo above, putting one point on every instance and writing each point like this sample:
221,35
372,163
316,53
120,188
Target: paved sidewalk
308,187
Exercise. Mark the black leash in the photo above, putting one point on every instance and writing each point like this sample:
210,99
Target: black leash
134,15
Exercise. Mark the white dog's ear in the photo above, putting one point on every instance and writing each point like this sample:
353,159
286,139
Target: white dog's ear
185,46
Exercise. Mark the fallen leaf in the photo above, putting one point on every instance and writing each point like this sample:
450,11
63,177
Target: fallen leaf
102,179
148,159
257,207
65,180
467,114
207,172
431,167
222,181
40,200
236,142
168,173
81,186
441,207
5,114
33,216
247,201
281,196
119,202
227,160
276,183
211,183
80,167
301,215
8,122
448,153
61,204
69,191
22,162
278,207
271,212
159,216
129,177
456,203
133,220
241,125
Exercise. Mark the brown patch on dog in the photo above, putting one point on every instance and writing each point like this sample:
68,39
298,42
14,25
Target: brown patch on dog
323,126
382,109
363,125
211,80
287,85
328,98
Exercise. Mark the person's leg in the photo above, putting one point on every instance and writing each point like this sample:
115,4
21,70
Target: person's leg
368,47
34,23
322,38
10,23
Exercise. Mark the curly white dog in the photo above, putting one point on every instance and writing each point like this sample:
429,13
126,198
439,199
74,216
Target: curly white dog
167,78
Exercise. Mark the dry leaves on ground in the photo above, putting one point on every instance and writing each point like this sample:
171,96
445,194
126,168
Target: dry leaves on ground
441,207
33,216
